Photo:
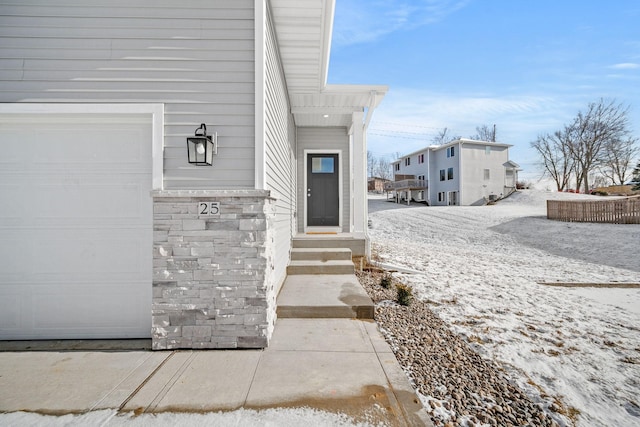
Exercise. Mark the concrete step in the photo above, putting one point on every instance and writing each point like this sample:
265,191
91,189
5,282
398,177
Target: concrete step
320,254
324,296
357,246
320,267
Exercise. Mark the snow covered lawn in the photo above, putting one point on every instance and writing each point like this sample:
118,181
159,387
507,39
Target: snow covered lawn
481,268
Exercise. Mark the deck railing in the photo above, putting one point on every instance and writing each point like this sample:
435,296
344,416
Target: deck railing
616,211
406,184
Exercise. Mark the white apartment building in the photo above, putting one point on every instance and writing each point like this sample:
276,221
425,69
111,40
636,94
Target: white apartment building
462,172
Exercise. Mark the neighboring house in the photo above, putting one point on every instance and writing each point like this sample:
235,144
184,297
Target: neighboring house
108,231
461,172
376,184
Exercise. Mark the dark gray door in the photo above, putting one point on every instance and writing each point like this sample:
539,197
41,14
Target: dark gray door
323,205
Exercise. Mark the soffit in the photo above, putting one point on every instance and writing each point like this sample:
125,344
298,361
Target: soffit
304,29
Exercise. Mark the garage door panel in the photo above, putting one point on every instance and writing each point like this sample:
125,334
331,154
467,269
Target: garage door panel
10,300
40,312
93,308
85,255
81,203
76,225
13,253
117,202
12,206
12,154
43,144
97,146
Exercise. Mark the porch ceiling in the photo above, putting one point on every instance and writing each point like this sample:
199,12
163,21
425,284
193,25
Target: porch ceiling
304,29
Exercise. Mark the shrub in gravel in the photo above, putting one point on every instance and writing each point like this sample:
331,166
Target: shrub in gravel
385,281
405,294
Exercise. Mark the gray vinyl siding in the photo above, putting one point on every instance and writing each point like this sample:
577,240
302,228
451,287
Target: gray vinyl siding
329,139
280,163
475,189
195,56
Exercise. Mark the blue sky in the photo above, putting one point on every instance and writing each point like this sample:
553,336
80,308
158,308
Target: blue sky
526,66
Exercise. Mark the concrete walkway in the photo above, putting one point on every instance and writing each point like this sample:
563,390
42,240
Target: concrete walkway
336,365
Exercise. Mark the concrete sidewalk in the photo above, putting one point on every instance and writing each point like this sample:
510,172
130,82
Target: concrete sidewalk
336,365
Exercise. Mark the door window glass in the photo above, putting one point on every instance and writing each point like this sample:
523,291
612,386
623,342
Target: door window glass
322,165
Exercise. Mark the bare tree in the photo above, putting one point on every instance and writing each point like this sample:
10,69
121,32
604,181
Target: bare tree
443,137
592,131
485,133
371,163
597,140
598,180
383,168
618,159
556,158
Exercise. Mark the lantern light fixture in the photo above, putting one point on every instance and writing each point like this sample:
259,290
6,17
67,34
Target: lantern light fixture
202,147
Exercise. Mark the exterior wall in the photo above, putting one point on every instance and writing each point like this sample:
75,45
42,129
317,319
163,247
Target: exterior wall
212,286
280,162
196,57
416,169
328,139
475,188
376,184
438,160
469,163
510,180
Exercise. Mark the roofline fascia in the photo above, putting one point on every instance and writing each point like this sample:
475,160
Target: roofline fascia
354,89
327,24
449,144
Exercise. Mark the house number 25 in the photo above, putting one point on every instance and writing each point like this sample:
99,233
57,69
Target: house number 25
209,208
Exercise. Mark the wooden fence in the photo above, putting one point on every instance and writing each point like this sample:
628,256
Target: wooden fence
616,211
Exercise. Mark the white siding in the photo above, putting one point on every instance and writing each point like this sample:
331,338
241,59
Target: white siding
414,167
280,165
328,139
438,160
195,56
475,189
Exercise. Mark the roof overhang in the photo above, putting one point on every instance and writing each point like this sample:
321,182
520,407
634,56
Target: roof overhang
477,142
304,29
510,164
335,105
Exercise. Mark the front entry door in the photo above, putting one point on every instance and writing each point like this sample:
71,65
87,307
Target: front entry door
323,203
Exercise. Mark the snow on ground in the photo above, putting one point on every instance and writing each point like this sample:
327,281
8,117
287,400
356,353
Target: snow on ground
239,418
480,267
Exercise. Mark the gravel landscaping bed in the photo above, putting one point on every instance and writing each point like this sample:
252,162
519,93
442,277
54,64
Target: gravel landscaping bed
457,386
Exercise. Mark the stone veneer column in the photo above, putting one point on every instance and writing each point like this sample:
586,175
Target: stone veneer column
212,284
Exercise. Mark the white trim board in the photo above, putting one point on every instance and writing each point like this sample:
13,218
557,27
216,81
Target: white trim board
156,111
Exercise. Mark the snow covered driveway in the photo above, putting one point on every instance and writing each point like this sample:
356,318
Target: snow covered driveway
480,266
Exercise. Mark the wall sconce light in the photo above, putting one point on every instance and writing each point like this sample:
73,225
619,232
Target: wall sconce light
201,147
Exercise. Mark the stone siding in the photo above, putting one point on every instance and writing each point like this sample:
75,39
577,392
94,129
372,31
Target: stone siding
212,284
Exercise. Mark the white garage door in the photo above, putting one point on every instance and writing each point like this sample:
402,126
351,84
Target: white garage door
75,226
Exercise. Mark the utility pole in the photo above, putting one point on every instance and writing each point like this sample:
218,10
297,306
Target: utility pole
494,133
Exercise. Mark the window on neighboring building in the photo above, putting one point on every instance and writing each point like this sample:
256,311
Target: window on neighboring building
397,167
451,151
441,174
487,150
407,161
420,158
441,196
487,174
420,177
450,173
